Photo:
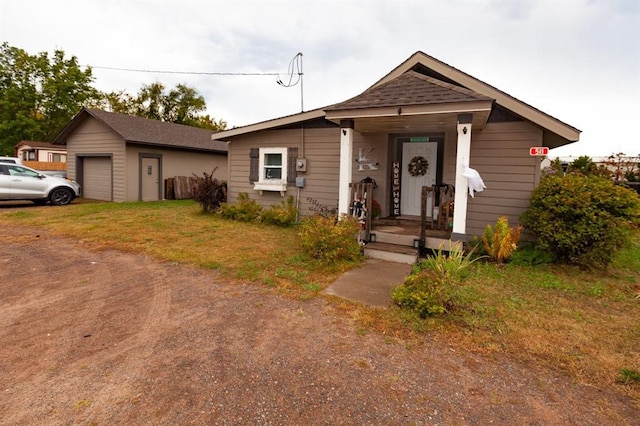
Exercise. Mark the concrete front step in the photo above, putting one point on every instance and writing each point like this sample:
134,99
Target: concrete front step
434,243
391,252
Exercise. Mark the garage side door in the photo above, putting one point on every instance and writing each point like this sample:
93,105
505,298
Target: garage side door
97,180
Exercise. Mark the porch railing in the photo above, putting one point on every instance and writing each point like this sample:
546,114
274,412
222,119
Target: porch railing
436,210
360,208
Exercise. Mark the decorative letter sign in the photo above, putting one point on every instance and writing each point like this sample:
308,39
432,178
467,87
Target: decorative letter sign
395,188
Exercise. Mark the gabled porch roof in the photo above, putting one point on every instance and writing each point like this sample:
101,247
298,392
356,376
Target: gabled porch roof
422,92
411,101
555,132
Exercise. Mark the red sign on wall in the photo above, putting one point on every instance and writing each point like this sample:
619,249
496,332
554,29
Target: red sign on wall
539,150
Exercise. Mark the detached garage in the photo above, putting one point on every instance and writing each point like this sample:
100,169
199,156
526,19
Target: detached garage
118,157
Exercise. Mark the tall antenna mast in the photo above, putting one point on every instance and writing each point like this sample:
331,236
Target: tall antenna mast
295,68
301,74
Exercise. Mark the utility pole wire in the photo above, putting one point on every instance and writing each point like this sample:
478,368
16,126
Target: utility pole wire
184,72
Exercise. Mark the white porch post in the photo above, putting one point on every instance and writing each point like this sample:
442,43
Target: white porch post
462,159
346,165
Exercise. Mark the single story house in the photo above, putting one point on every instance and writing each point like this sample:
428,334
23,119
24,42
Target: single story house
425,124
118,157
45,152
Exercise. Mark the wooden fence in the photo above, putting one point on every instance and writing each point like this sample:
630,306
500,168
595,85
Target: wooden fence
178,188
46,165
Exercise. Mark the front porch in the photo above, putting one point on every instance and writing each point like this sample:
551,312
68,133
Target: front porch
404,239
398,240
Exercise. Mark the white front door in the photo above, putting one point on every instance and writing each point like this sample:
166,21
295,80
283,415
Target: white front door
412,183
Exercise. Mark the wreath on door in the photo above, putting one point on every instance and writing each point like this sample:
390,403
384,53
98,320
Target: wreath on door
418,166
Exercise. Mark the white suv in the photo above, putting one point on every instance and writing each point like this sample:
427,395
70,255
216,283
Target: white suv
14,160
23,183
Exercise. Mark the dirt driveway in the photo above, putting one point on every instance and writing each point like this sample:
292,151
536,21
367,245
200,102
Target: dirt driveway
90,337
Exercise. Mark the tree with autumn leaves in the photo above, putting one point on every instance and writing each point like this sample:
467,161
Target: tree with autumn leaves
40,94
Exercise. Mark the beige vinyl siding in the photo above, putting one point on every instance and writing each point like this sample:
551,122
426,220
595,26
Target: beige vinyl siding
90,138
174,163
380,154
500,153
321,149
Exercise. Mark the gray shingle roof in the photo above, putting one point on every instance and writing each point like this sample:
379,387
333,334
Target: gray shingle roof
148,132
411,88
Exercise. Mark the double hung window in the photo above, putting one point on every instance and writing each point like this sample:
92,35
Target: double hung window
272,170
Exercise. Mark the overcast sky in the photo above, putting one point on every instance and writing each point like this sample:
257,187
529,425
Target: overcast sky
577,60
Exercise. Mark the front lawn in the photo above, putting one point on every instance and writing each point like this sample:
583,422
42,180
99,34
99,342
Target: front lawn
586,323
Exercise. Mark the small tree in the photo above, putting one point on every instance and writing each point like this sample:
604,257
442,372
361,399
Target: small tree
209,192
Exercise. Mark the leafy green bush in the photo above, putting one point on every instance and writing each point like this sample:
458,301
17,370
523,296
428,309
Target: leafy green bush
330,240
247,210
285,214
582,220
244,210
208,191
434,286
500,241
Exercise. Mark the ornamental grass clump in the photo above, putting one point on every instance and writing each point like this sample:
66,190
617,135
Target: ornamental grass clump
500,241
434,287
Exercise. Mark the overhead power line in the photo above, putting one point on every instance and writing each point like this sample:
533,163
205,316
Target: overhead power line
183,72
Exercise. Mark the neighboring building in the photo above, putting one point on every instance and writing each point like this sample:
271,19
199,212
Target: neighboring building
420,125
117,157
40,151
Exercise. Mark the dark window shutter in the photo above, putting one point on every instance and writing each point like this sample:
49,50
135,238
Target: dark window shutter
292,156
254,165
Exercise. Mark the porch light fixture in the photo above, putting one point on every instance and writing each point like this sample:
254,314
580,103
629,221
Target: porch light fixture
464,130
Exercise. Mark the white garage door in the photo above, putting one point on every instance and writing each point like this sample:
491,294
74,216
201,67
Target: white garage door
96,183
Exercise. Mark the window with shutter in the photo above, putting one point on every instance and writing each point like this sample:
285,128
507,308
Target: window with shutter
270,169
254,164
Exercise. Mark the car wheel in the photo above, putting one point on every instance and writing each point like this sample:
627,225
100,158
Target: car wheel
61,196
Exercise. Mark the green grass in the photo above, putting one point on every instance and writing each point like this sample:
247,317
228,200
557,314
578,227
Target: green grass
178,231
585,323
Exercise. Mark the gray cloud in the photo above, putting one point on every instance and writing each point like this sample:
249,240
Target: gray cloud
577,60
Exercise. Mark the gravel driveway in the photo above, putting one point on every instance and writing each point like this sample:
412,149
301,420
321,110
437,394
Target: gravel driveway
104,337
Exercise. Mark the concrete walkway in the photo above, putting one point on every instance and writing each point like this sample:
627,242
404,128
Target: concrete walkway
371,283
